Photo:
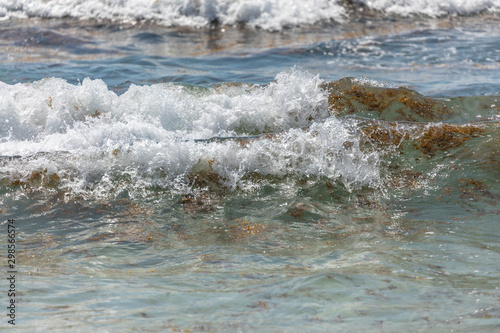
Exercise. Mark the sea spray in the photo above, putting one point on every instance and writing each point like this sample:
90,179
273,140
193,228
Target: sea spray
89,138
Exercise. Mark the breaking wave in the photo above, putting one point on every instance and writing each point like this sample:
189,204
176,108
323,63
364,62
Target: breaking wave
265,14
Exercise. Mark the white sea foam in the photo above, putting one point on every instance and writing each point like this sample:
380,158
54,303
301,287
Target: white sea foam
53,107
373,83
433,8
150,135
267,14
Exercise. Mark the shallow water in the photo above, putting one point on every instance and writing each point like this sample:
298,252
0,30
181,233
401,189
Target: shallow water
221,166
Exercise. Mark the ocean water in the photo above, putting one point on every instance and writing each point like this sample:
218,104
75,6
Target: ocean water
251,166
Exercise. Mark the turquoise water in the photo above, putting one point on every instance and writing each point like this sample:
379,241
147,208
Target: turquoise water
279,173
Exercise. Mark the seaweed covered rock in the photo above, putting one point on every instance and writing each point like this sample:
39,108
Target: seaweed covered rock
348,96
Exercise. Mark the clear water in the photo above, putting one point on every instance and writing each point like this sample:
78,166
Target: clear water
225,167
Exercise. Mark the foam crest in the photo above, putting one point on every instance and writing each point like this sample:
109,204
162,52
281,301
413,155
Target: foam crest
52,108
